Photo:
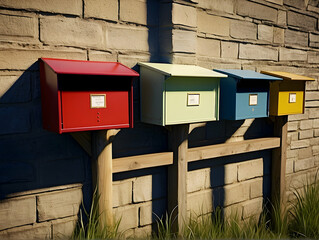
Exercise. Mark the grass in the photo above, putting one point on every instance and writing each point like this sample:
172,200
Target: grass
299,220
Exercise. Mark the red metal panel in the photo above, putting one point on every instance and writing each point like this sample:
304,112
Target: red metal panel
63,66
78,115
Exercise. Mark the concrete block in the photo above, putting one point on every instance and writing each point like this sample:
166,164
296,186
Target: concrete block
15,119
316,132
313,57
306,124
73,7
296,38
306,134
17,26
303,164
255,10
292,153
198,180
312,95
102,56
102,9
122,192
15,89
143,232
316,123
217,25
231,194
218,5
313,8
243,30
256,188
142,189
252,207
282,17
279,35
184,15
184,58
315,150
314,141
35,231
250,169
184,41
17,212
312,85
63,228
279,2
257,52
300,144
265,33
127,215
119,36
297,117
300,20
201,202
132,60
304,153
208,47
22,59
59,204
229,50
313,113
222,175
150,212
296,3
314,40
234,211
289,166
286,54
293,126
71,32
136,13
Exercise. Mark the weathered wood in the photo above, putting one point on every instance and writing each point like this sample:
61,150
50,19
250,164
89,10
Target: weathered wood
226,149
177,176
142,161
84,139
278,168
102,172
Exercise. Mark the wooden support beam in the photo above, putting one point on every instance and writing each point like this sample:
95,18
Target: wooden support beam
278,167
142,161
177,176
102,172
227,149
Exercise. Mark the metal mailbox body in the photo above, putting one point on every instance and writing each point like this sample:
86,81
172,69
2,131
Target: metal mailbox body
85,95
287,96
244,94
175,94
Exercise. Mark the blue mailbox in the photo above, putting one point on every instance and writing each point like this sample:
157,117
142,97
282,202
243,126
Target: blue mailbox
244,94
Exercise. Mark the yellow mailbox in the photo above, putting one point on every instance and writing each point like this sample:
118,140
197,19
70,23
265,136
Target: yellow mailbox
287,96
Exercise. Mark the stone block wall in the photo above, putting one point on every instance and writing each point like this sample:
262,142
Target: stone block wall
241,34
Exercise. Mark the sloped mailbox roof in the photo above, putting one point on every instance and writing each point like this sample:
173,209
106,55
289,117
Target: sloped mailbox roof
247,74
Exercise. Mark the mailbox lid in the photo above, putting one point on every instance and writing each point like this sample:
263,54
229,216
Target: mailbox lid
288,76
81,67
247,74
179,70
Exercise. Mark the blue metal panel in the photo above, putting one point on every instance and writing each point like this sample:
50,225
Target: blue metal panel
244,110
227,98
247,74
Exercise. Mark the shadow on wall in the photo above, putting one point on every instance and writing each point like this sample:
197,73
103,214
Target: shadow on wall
32,158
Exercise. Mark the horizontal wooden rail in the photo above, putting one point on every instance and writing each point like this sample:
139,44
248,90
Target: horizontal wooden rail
142,161
227,149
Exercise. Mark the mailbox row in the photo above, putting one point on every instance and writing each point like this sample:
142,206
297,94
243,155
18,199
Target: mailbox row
86,95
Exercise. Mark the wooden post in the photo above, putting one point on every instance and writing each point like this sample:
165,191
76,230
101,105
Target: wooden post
177,176
102,172
278,169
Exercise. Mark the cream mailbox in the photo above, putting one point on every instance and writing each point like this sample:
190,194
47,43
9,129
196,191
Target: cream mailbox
176,94
287,96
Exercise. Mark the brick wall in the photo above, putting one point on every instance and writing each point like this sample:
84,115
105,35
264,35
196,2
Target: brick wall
242,34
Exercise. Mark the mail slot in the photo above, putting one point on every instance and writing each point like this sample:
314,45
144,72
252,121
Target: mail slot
85,95
287,96
176,94
244,94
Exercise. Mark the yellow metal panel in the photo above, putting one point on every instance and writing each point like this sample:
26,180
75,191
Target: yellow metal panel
287,76
285,107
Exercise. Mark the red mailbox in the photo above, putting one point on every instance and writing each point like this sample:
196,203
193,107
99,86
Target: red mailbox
85,95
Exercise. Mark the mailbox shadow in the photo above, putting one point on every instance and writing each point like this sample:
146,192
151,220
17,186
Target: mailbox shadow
220,132
31,158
